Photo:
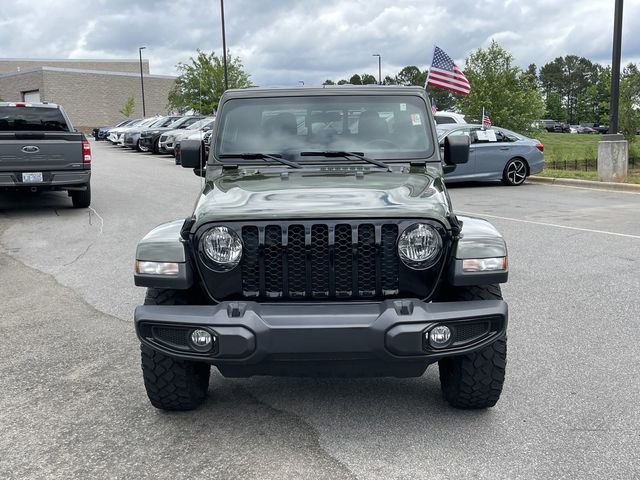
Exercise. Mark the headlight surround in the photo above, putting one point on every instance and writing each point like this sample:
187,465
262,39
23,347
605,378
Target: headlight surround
419,246
222,247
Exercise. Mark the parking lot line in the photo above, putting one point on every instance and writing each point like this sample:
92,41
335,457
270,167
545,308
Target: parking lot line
520,220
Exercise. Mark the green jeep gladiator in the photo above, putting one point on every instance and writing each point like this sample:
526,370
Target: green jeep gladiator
324,242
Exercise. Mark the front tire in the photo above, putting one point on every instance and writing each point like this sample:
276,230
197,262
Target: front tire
81,198
140,148
515,172
474,380
173,384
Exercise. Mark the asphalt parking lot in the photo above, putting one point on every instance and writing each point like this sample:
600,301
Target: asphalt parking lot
72,402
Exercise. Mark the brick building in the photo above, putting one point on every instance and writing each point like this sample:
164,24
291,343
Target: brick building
91,91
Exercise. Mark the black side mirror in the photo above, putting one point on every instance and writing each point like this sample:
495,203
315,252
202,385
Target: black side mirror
456,149
192,154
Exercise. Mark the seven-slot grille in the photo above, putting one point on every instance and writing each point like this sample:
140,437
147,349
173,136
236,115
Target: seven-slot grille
320,260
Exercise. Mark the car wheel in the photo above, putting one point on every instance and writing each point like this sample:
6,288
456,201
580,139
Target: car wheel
515,172
172,384
81,198
156,147
474,380
140,148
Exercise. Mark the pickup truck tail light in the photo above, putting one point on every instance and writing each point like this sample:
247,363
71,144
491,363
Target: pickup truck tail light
86,151
540,147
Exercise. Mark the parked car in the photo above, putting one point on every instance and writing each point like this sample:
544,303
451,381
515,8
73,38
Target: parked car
317,250
116,135
132,136
100,133
587,130
169,138
40,150
150,138
445,117
552,126
495,154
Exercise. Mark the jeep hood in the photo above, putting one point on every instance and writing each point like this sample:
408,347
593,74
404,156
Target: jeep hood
313,194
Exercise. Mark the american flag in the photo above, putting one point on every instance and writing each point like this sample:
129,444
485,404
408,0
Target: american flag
434,108
486,121
444,74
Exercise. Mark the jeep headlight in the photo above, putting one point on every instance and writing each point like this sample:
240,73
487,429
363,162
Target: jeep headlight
223,248
419,246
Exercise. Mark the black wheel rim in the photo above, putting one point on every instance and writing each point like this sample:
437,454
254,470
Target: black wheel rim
516,172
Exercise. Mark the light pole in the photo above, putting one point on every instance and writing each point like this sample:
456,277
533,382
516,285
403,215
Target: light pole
379,67
615,68
144,110
224,47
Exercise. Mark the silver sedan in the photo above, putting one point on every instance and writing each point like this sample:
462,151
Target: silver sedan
495,154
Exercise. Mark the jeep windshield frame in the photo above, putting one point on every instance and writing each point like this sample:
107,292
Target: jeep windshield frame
392,128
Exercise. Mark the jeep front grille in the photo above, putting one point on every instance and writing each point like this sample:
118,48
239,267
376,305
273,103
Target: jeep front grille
320,260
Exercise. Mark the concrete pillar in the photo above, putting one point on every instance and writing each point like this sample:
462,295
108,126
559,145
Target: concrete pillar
613,158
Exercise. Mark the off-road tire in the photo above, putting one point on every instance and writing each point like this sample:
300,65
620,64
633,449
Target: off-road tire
156,147
172,384
475,380
81,198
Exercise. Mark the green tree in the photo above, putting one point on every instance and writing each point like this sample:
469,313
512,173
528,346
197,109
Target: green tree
328,82
355,79
389,80
554,108
411,75
128,107
368,79
201,82
502,88
343,82
445,100
570,76
629,102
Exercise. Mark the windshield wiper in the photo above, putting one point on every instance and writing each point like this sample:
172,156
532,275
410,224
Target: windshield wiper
341,153
262,156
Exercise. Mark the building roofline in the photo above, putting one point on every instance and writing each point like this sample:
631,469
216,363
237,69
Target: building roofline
89,60
78,70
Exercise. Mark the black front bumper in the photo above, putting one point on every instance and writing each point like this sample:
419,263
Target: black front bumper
253,338
148,141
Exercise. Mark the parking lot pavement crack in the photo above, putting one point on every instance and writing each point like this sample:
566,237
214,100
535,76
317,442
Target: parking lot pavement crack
320,450
82,254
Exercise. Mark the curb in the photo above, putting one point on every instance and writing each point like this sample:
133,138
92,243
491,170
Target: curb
573,182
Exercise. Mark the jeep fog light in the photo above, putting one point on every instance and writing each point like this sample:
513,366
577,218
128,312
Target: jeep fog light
484,264
157,268
419,246
201,339
223,247
439,336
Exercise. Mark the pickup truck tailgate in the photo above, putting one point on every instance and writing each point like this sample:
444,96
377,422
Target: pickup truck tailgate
41,151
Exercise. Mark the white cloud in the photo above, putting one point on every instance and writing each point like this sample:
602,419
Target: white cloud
284,41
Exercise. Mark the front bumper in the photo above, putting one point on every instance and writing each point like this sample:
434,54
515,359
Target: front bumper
147,141
253,338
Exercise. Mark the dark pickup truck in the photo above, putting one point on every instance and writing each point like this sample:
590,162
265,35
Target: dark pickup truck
40,150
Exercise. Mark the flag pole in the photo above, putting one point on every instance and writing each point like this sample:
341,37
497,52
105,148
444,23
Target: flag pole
482,121
426,82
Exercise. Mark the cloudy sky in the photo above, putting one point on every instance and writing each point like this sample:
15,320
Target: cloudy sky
282,42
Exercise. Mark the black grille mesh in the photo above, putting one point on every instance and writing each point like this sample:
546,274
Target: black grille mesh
250,262
296,261
466,332
320,261
178,337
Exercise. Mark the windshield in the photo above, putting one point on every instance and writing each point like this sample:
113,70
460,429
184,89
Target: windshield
184,122
32,119
383,127
203,122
